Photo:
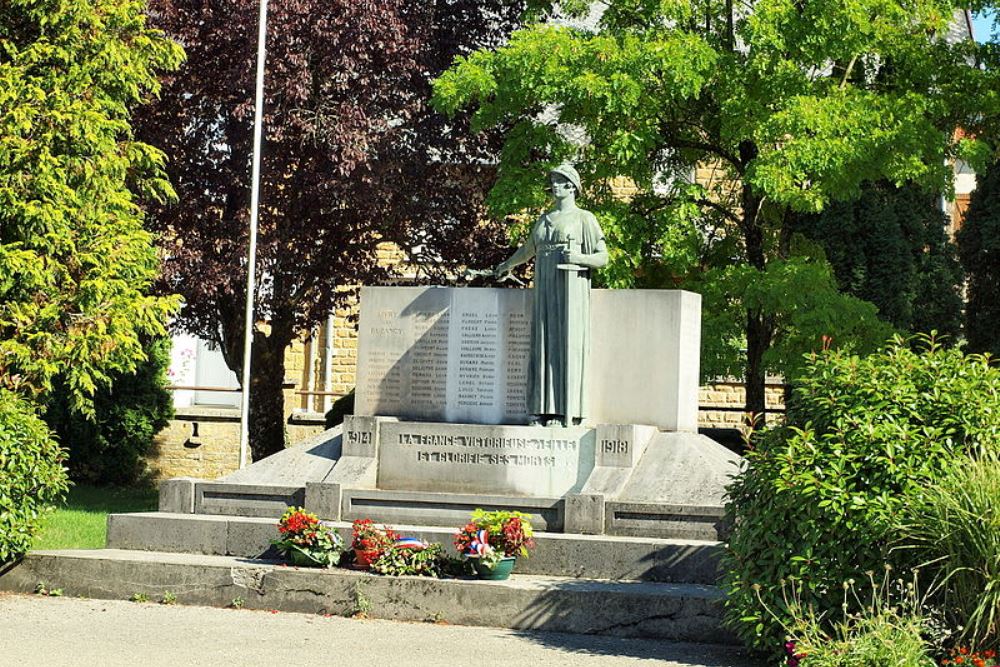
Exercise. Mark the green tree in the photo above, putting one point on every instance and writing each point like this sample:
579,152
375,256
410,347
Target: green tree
890,247
979,249
75,261
784,106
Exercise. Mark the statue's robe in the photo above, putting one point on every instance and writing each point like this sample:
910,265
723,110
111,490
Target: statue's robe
560,330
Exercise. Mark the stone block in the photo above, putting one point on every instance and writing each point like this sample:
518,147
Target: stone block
560,555
444,509
460,355
157,531
684,612
584,514
250,537
663,520
177,495
246,499
445,354
645,350
324,499
361,436
354,472
480,459
622,445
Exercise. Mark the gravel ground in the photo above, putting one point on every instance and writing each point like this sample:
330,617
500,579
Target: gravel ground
52,631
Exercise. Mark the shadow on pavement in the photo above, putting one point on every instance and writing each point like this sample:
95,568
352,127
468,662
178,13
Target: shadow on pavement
686,654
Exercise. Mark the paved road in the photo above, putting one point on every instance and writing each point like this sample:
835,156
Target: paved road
51,631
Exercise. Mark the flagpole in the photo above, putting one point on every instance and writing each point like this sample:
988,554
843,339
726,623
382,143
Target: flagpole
248,323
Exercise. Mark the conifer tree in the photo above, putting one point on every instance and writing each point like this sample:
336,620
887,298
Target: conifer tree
979,249
76,264
890,247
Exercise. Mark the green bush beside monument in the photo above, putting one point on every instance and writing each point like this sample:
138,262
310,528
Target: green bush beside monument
819,501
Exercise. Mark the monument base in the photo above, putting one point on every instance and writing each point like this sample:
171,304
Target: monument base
613,479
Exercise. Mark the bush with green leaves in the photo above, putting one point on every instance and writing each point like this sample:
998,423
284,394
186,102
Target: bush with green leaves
32,476
817,500
110,447
952,530
77,265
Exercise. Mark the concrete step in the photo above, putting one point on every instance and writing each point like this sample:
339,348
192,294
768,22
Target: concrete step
556,554
682,612
690,521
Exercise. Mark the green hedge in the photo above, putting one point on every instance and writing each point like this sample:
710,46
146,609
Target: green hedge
979,249
111,448
816,503
32,476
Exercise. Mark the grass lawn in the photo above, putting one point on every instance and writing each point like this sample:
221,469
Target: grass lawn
81,522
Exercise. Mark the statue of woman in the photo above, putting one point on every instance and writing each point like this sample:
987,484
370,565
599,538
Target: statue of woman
566,243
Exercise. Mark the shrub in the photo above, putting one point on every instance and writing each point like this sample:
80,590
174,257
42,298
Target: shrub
818,497
110,448
32,476
953,529
890,628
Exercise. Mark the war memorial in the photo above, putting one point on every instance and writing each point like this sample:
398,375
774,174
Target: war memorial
575,405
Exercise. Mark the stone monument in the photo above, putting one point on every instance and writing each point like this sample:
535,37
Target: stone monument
577,406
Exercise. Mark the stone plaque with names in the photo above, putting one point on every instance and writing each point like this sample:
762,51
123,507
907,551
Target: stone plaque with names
472,458
444,354
460,355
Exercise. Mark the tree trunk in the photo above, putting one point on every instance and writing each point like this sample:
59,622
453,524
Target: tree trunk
760,328
267,399
758,342
267,374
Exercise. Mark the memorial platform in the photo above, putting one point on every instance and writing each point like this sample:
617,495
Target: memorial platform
628,506
606,479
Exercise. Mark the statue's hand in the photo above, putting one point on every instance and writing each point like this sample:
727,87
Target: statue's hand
503,268
571,257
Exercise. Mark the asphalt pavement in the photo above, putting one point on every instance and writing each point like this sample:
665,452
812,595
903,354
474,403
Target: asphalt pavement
54,631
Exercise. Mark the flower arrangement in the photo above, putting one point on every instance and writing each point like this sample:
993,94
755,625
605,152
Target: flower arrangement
404,557
369,541
493,536
305,540
966,656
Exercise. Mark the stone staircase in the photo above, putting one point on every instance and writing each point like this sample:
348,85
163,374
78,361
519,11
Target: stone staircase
661,588
649,571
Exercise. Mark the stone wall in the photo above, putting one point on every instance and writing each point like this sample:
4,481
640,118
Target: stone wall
730,395
205,442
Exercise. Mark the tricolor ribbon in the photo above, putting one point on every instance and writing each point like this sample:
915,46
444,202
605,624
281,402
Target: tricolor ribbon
410,543
480,545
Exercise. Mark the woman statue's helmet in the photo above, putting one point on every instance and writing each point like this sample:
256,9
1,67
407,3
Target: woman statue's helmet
570,173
